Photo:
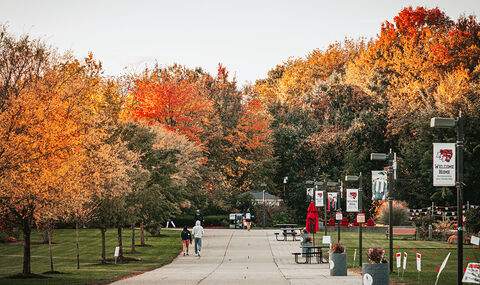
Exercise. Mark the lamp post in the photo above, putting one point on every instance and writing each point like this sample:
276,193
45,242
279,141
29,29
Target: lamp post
285,180
263,185
457,123
358,178
391,159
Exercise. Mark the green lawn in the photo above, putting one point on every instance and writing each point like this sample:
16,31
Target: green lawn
161,250
433,253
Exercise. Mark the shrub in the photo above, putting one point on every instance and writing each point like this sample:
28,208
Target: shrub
400,213
442,230
185,220
472,221
422,223
376,255
338,248
216,221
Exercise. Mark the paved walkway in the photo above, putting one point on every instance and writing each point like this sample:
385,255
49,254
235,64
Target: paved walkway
241,257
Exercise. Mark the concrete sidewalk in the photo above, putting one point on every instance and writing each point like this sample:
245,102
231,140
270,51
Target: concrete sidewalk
241,257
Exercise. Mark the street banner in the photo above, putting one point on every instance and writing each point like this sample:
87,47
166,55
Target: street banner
444,263
419,262
332,201
472,274
352,200
444,164
319,200
310,192
398,256
379,185
404,261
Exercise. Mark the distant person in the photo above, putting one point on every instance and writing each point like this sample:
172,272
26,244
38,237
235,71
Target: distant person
186,240
198,216
197,232
248,221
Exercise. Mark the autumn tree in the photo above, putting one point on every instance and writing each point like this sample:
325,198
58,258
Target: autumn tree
160,98
45,123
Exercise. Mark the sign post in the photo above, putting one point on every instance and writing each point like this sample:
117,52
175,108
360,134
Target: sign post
116,254
338,217
444,155
419,264
398,257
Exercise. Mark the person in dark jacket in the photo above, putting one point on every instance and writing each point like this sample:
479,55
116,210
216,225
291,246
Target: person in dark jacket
186,239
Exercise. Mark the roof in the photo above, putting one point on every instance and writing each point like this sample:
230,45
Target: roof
268,196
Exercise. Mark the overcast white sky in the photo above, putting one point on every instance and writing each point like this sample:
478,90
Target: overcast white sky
248,36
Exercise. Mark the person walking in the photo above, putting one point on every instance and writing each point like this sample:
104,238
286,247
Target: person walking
197,232
186,239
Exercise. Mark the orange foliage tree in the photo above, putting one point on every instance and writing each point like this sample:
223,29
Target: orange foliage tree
158,97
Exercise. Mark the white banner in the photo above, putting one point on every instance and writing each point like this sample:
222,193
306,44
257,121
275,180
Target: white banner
444,263
332,201
379,185
352,200
319,199
444,164
398,257
310,192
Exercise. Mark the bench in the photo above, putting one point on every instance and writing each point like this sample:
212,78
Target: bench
288,232
399,231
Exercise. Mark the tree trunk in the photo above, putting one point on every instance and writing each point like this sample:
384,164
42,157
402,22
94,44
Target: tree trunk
142,234
26,248
133,238
45,234
77,242
49,233
120,244
104,256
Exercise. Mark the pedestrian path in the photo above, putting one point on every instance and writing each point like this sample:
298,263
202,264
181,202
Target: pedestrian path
241,257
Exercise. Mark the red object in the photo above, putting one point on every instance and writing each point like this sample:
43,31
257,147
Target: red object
344,222
370,223
311,222
355,224
331,222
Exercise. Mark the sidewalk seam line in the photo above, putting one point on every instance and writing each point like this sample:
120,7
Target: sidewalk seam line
274,260
221,262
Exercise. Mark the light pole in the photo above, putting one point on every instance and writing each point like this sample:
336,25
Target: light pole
360,204
391,159
457,123
263,185
285,180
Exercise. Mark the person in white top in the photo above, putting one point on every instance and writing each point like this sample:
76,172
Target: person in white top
197,233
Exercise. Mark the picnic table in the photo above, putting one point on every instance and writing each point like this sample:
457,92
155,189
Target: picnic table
293,232
308,252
